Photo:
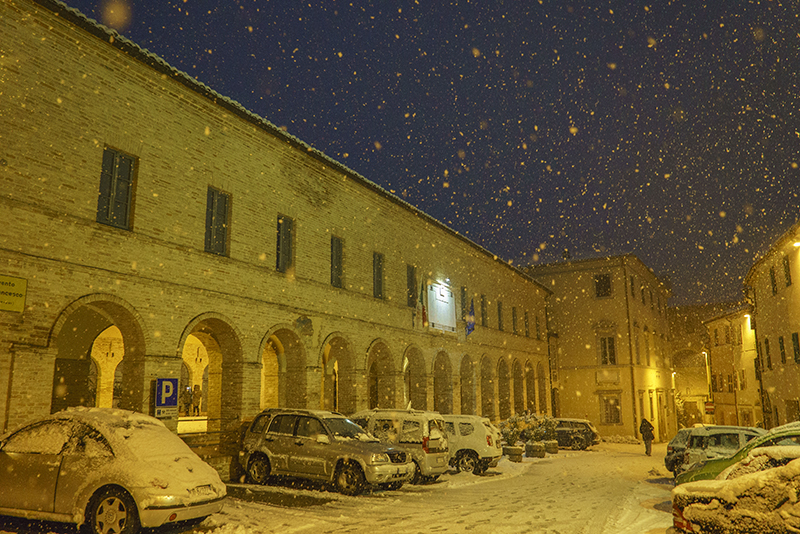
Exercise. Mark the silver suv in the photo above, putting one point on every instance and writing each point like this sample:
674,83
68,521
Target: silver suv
474,443
323,446
420,433
707,442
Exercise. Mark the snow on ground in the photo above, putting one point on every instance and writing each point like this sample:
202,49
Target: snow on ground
613,487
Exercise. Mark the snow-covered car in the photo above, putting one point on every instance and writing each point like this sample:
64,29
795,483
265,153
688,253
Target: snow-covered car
320,445
474,443
418,432
757,494
112,469
576,434
718,441
675,450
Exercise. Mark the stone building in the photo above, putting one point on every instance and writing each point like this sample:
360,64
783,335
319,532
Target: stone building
736,394
772,284
152,228
613,357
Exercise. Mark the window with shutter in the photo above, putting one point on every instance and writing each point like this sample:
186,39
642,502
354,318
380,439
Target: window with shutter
284,260
337,265
216,240
115,196
377,275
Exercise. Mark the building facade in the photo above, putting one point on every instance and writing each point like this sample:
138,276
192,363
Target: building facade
736,393
772,284
153,228
613,355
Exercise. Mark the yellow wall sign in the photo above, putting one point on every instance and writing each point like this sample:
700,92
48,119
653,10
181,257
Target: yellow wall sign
12,293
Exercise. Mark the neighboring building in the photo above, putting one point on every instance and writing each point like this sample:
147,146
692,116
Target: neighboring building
690,361
152,228
736,393
772,284
613,354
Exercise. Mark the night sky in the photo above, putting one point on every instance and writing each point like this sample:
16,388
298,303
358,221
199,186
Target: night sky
667,130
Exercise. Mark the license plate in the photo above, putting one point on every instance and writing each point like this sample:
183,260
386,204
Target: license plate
201,491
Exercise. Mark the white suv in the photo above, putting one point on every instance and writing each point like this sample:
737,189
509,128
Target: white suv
420,433
474,443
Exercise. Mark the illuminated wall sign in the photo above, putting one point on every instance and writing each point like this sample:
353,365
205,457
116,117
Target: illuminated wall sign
441,308
12,293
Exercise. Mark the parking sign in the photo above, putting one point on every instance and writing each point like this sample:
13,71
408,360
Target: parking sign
166,398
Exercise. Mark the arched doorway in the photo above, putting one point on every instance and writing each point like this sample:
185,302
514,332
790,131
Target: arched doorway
380,384
519,387
468,389
415,380
93,336
503,390
487,388
283,377
442,384
338,390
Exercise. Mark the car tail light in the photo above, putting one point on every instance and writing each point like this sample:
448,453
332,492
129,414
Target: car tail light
670,449
489,440
425,445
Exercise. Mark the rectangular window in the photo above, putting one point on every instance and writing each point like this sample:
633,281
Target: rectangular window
377,275
742,380
412,294
714,383
767,354
782,348
633,287
730,384
484,318
608,354
499,315
651,298
602,285
217,222
464,306
538,328
611,413
284,255
796,347
527,325
727,334
337,261
787,271
514,320
773,281
114,200
716,337
643,299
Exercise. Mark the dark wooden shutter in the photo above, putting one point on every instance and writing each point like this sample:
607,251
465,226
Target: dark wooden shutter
123,182
104,194
209,244
336,261
377,275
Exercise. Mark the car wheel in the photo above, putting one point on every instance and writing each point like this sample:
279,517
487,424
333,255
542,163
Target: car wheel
578,443
349,479
481,467
112,511
259,469
416,478
467,462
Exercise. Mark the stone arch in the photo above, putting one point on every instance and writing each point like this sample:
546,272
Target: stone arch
468,386
283,369
503,389
518,381
530,387
442,383
487,388
380,376
338,385
74,335
415,379
211,343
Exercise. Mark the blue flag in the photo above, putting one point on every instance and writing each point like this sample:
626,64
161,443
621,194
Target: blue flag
471,317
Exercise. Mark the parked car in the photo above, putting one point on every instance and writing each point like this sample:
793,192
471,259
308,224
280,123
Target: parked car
756,494
420,433
112,469
786,435
320,445
577,434
675,450
707,442
474,443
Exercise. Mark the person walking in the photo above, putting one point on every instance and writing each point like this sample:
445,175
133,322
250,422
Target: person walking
646,429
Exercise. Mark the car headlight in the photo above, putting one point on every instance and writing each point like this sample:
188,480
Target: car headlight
380,458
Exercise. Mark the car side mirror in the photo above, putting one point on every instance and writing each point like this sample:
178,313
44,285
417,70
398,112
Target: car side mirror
322,438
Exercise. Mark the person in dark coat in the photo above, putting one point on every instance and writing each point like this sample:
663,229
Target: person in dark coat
646,429
197,396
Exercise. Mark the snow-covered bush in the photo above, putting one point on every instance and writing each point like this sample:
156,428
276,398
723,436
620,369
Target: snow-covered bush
527,427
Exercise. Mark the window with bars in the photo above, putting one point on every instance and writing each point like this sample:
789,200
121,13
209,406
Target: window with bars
115,197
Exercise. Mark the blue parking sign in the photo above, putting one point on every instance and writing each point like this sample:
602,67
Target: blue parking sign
166,404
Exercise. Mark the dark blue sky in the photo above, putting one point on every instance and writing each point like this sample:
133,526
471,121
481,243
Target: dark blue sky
668,130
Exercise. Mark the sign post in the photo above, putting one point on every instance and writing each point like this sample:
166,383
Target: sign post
166,398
